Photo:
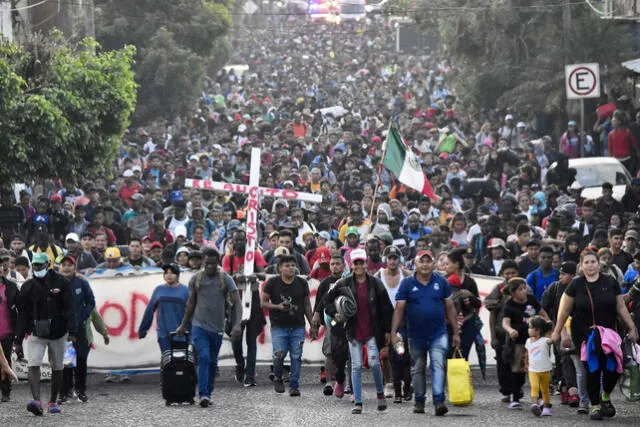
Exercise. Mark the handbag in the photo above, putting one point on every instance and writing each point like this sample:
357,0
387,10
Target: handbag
42,328
459,381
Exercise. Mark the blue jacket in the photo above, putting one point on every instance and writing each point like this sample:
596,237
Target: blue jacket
82,300
170,301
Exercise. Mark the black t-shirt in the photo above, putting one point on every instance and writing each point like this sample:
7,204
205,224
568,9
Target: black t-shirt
604,292
297,290
519,313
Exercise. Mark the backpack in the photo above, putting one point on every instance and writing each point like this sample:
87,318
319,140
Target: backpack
228,303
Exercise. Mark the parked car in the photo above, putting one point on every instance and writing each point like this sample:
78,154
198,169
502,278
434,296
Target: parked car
592,172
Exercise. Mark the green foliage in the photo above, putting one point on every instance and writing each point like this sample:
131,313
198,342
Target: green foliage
63,108
177,42
513,53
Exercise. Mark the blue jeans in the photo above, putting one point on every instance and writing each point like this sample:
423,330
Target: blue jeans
207,346
355,349
437,350
287,340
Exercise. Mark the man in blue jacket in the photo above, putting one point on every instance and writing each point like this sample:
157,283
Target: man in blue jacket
83,303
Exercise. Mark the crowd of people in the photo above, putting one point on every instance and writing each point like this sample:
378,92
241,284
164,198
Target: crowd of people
395,267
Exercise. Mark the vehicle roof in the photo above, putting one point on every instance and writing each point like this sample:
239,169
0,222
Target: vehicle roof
592,161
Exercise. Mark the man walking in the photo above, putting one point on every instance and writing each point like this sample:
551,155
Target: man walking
426,300
45,313
83,303
209,290
542,277
287,298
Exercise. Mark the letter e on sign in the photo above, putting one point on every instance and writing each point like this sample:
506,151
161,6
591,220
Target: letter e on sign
582,81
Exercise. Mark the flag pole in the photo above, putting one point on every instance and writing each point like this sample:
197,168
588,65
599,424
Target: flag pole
380,166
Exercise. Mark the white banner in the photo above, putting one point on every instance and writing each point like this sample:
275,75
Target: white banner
122,300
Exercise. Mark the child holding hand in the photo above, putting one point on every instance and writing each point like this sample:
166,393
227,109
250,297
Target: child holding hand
539,364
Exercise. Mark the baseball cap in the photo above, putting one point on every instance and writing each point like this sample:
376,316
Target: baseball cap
352,230
234,225
508,117
324,235
40,258
4,253
521,125
137,196
423,253
576,186
175,195
112,253
284,184
182,249
128,173
572,123
56,198
497,243
358,254
281,250
180,230
73,237
390,251
136,168
69,258
631,234
568,267
156,245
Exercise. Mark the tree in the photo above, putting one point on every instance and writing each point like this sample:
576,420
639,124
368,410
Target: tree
176,40
63,108
512,53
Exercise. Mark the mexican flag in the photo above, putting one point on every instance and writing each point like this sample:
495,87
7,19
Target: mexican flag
400,160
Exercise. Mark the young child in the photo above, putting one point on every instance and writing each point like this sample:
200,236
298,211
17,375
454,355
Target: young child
170,299
539,364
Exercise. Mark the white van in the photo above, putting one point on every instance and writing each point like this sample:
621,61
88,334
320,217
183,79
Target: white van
352,10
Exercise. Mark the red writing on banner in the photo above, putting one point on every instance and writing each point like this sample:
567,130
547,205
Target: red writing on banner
126,318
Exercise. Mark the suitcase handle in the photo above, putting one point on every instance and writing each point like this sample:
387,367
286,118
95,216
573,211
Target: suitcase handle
172,341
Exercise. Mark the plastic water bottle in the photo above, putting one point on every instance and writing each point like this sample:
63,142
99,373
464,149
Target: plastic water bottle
399,346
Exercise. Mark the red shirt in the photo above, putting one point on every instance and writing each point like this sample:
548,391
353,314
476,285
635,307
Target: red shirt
238,263
620,141
364,331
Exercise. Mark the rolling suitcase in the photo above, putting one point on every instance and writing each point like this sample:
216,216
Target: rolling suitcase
178,373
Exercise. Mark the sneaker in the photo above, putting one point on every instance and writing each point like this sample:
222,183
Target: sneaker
239,374
574,400
382,402
125,379
418,408
348,390
506,399
406,393
5,398
441,409
546,412
583,410
357,409
278,385
535,410
63,398
607,409
323,376
388,390
35,408
596,414
327,390
249,381
338,390
397,399
294,392
205,402
110,378
515,405
82,397
53,408
564,398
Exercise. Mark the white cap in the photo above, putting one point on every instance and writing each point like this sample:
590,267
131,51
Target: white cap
521,125
358,254
128,173
182,249
508,117
72,236
136,168
194,157
576,186
242,128
180,230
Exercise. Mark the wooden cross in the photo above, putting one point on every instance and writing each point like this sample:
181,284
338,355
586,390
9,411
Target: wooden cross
254,191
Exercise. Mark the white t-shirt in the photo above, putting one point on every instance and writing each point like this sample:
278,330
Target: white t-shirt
539,355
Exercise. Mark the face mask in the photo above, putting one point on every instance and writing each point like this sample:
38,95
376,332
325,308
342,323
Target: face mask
40,273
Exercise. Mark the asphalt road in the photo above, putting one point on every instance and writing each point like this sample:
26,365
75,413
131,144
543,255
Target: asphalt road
139,404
